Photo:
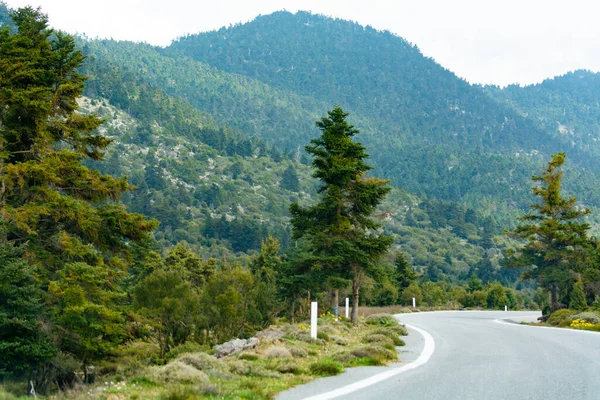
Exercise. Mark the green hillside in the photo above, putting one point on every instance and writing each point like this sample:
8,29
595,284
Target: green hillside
431,132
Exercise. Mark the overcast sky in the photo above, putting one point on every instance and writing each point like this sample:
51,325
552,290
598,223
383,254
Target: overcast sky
484,41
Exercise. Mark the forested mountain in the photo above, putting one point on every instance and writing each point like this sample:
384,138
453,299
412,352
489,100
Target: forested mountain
242,93
430,131
212,129
567,106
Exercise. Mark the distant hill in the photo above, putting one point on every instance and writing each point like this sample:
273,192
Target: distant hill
429,131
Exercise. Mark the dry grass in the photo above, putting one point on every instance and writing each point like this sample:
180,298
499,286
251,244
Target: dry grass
277,352
366,311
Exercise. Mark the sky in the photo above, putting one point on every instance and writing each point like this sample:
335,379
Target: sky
497,42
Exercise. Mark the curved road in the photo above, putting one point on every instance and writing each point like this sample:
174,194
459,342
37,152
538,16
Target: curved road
476,357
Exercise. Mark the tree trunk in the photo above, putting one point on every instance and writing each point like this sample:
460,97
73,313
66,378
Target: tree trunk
554,297
355,290
293,310
336,303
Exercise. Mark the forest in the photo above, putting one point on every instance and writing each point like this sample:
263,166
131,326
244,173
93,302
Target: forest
161,201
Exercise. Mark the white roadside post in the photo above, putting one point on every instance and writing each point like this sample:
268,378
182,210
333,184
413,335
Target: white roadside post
414,303
313,319
505,308
347,306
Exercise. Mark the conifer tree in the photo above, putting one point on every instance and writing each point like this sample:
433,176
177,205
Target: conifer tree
61,212
578,301
339,229
555,236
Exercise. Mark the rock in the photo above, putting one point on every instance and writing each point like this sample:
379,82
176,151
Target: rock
235,346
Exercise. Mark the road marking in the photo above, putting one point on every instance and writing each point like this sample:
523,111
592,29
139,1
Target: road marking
428,350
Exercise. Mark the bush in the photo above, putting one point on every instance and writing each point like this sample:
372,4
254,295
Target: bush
376,353
285,366
179,372
190,393
187,347
378,338
326,367
381,320
203,362
345,357
247,368
340,341
298,352
322,335
559,316
277,352
248,356
590,317
391,334
328,329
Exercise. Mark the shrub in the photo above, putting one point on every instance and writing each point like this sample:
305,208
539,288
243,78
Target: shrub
377,353
326,367
187,347
285,366
559,316
590,317
190,393
277,352
327,329
345,357
381,320
340,341
580,324
391,334
203,362
379,339
179,372
248,356
247,368
298,352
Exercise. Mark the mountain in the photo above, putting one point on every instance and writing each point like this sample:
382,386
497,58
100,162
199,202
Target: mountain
566,106
211,130
429,131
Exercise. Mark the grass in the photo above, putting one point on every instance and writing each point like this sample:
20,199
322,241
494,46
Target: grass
275,365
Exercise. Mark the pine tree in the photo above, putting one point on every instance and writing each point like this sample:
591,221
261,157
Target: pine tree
578,301
339,229
62,213
289,180
555,236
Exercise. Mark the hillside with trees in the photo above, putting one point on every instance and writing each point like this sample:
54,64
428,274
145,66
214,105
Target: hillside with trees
157,202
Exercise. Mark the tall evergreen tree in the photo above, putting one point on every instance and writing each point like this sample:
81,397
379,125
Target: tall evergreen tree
339,228
63,213
555,236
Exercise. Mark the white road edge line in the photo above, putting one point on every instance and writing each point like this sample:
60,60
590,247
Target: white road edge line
428,350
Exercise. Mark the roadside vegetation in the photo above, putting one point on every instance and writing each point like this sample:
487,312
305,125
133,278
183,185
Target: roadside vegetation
285,356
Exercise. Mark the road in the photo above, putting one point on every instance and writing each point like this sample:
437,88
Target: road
475,357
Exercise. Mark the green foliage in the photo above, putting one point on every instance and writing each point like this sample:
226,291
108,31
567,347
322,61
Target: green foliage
578,301
339,228
326,367
22,344
171,305
591,317
496,297
561,315
555,237
381,320
228,303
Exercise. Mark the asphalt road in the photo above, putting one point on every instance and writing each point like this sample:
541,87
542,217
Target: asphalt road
475,357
